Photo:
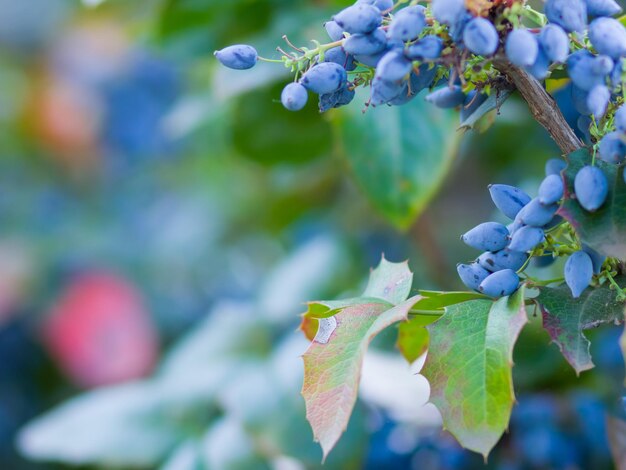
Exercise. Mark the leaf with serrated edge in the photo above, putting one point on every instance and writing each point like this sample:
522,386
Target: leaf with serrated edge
332,369
469,368
605,229
565,318
390,282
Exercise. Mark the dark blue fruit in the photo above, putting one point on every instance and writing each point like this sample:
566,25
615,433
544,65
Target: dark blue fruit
551,190
591,188
500,284
294,97
360,18
324,78
503,259
238,57
447,97
526,238
536,214
508,199
472,274
578,272
489,236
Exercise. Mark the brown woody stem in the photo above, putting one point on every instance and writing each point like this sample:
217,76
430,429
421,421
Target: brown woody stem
542,106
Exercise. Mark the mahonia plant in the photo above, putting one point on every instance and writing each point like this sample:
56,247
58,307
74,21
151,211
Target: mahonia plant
470,55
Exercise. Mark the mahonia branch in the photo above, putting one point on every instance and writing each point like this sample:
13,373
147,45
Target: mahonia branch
542,106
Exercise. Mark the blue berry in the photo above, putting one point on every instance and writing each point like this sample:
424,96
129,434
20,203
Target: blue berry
598,100
335,32
536,214
324,78
551,190
340,97
521,47
541,68
393,66
508,199
294,97
503,259
366,44
427,48
238,57
488,236
371,60
608,36
480,37
526,238
472,102
602,65
555,166
620,119
360,18
472,274
582,68
407,24
555,43
338,56
578,272
591,188
612,148
597,259
448,11
603,7
500,284
447,97
382,5
571,15
383,91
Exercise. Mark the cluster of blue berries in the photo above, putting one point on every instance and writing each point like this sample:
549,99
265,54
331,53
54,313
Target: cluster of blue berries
450,47
508,249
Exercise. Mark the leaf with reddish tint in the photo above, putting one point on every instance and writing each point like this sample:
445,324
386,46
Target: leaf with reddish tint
605,229
565,318
469,368
332,365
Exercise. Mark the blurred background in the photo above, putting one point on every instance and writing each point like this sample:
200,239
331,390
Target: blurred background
163,220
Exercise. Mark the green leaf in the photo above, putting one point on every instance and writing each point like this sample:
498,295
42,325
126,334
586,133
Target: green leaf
413,336
390,282
332,366
469,368
399,155
565,318
605,229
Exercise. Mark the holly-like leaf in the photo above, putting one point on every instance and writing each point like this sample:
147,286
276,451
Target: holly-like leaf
399,155
332,364
605,229
469,368
565,318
